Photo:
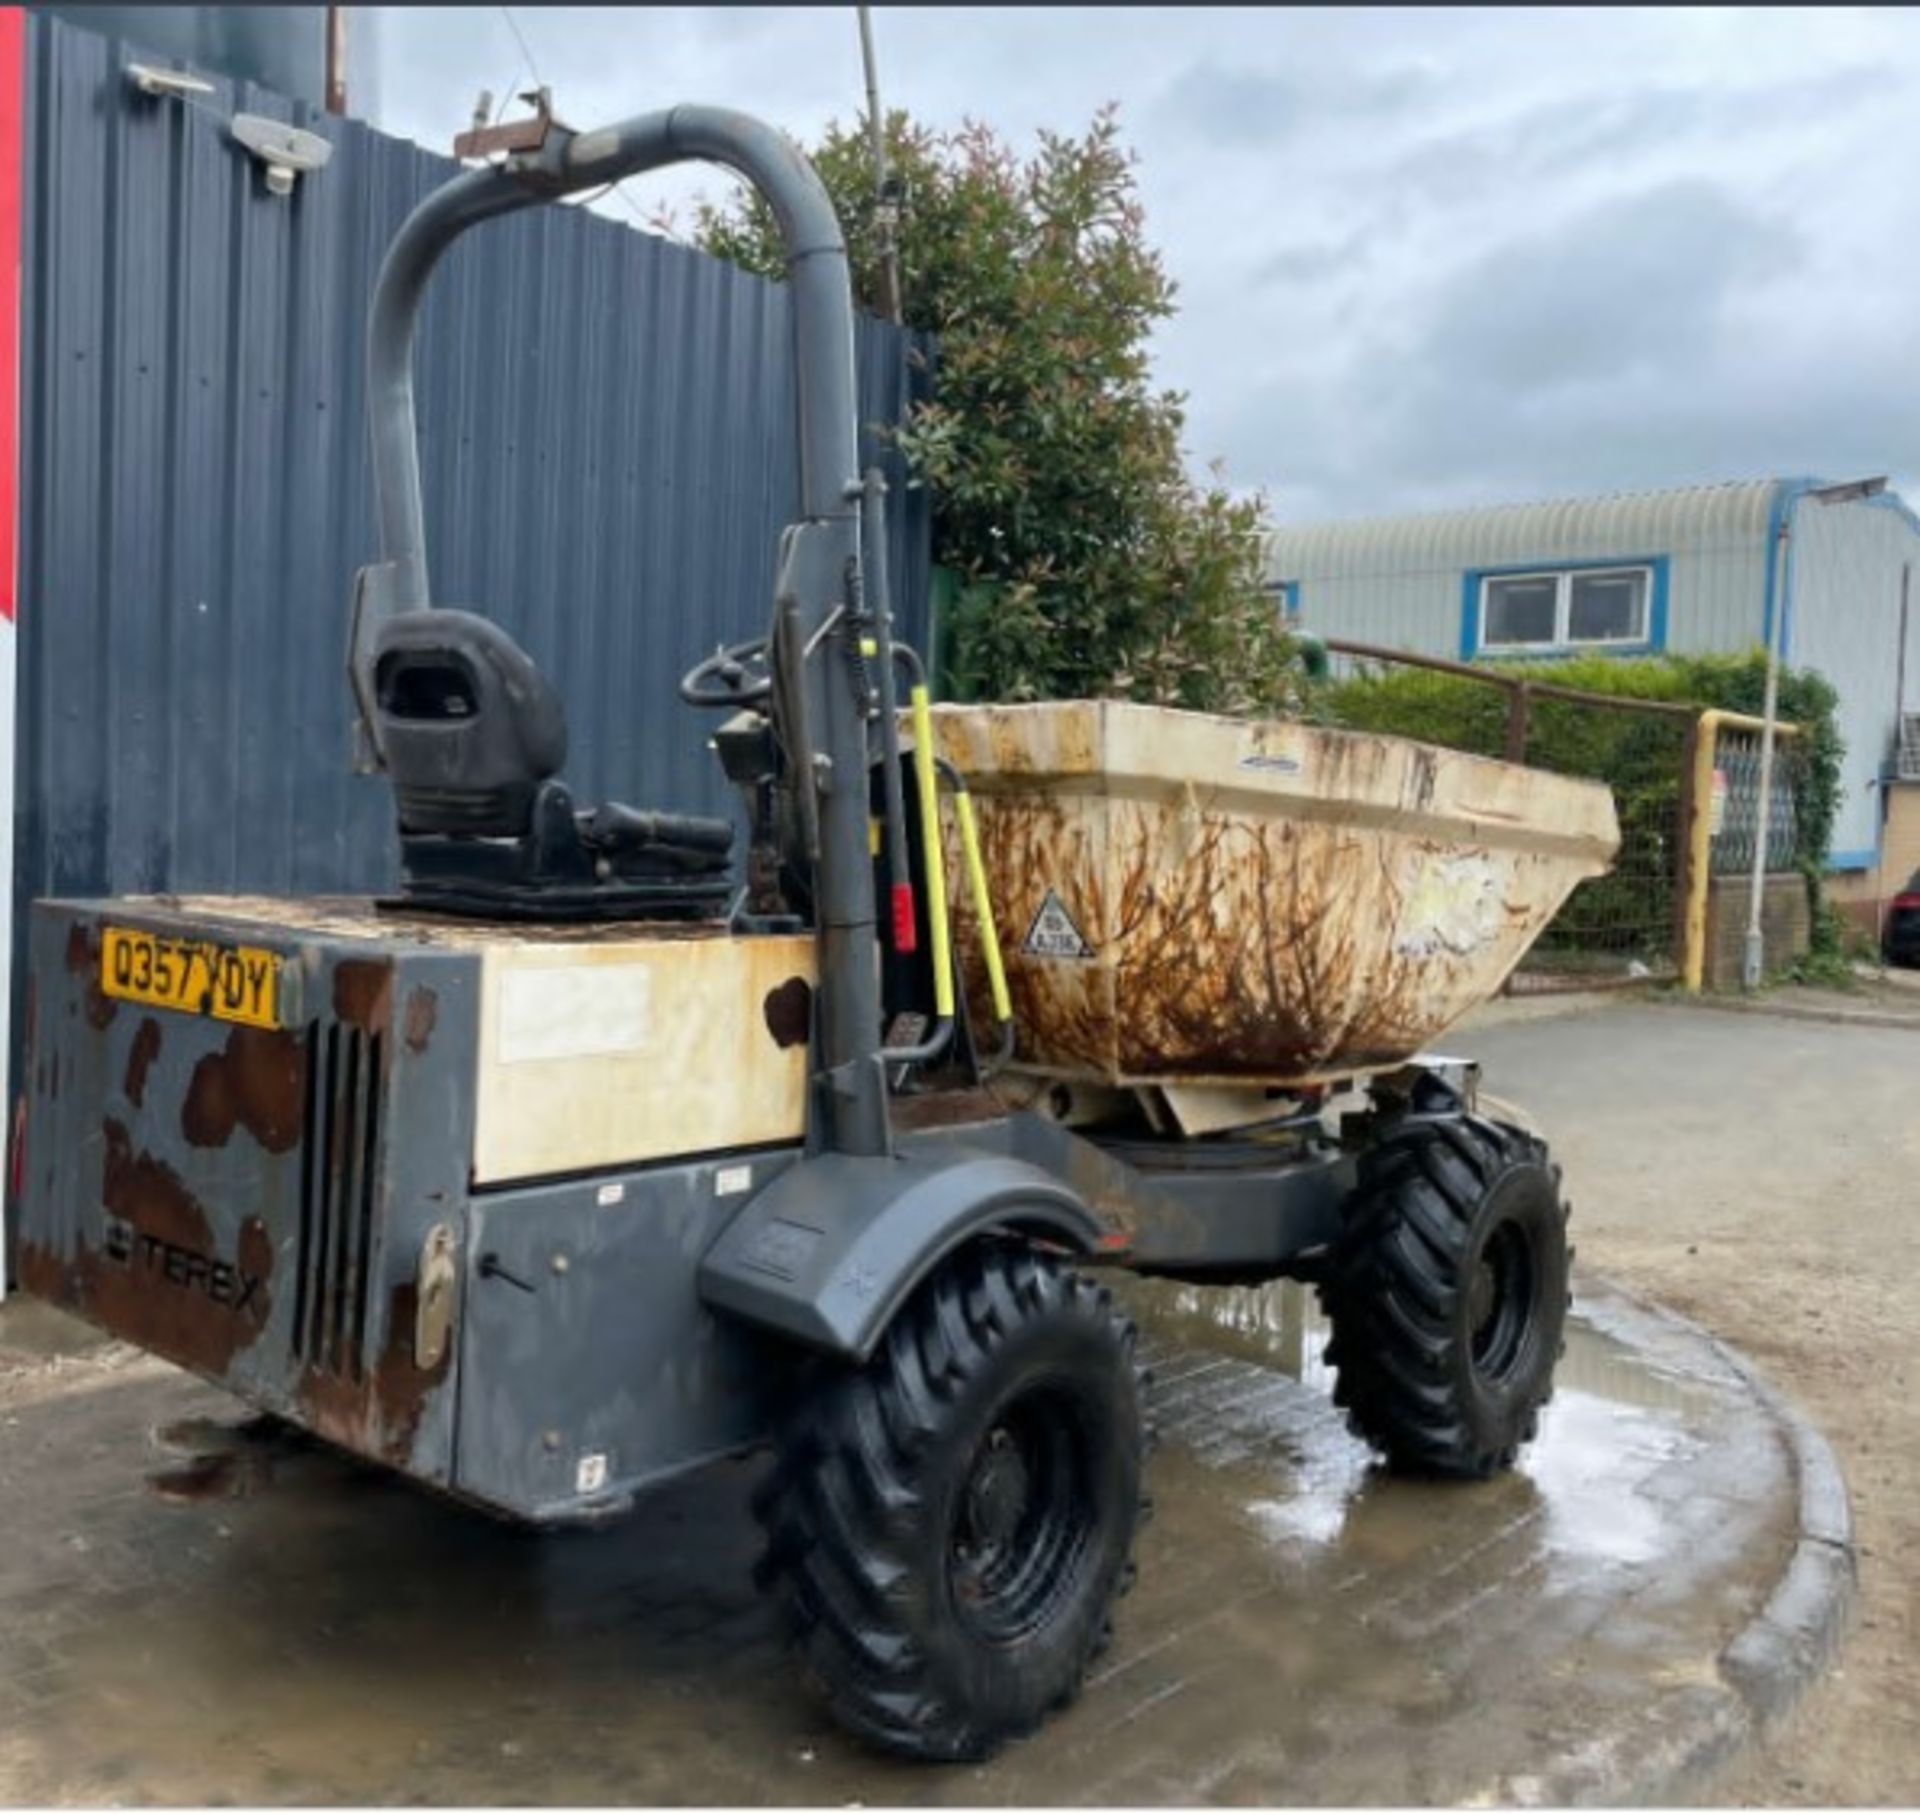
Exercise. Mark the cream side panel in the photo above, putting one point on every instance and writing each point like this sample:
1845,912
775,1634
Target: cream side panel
611,1054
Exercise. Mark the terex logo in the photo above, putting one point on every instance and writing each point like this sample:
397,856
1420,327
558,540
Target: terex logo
181,1266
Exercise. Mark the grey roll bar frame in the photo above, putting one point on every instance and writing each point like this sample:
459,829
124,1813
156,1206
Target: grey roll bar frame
826,735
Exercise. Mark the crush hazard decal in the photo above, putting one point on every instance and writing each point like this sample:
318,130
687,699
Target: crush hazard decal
1053,933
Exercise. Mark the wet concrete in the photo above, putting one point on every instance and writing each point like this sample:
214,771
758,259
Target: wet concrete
278,1624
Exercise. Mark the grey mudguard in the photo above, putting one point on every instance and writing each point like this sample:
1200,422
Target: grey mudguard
832,1247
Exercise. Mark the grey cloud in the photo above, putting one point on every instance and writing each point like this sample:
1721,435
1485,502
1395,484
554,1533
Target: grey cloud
1426,258
1311,261
1400,429
1587,128
1664,116
1634,284
1240,108
1340,451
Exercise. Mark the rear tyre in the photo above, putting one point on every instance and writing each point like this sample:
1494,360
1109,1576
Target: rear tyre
949,1526
1447,1294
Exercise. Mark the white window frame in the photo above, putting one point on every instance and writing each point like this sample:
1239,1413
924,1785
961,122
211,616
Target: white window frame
1563,578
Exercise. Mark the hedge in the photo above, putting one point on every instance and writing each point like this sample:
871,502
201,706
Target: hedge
1610,746
1639,754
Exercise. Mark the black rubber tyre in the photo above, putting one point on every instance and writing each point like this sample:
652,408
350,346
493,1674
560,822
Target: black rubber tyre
949,1526
1447,1294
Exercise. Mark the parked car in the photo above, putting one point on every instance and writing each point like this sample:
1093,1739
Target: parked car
1901,939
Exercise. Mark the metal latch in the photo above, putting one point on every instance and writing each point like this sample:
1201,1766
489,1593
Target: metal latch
286,151
433,1298
150,79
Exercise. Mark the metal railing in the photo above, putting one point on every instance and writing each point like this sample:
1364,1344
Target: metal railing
1685,784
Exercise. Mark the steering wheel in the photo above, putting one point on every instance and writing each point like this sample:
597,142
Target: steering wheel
730,677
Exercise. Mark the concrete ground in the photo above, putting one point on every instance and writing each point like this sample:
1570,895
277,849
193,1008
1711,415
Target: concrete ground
271,1623
1759,1174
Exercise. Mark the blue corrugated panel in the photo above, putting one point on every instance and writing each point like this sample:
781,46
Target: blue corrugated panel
609,457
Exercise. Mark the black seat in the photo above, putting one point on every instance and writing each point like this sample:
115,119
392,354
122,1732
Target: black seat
473,737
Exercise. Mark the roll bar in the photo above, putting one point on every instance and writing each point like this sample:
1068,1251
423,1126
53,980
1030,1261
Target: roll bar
818,614
566,164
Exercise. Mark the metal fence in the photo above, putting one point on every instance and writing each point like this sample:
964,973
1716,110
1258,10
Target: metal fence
1619,927
1685,784
1733,810
609,454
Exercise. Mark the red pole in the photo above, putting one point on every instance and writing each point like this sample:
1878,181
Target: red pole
12,108
13,37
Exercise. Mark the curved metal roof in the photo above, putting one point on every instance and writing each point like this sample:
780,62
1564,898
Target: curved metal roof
1692,517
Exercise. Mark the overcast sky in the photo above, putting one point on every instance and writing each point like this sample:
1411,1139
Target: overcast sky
1425,258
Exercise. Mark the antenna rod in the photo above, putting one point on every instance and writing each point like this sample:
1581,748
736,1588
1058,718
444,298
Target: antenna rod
885,213
336,74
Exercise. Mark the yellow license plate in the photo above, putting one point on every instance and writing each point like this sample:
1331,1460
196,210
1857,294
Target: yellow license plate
195,975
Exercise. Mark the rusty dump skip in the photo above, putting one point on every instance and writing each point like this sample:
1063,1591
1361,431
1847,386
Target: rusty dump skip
1190,898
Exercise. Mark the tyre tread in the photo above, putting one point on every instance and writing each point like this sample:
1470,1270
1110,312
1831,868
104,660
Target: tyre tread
839,1505
1392,1280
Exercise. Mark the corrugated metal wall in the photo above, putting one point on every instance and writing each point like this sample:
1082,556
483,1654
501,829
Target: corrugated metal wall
1398,580
1843,618
609,456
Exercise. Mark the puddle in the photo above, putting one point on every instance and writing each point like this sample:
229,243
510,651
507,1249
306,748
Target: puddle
203,1478
1280,1326
207,1436
222,1458
1614,1421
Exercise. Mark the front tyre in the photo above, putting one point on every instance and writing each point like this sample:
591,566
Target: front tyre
950,1525
1447,1294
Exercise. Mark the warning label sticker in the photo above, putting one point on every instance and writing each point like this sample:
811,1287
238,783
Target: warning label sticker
1053,933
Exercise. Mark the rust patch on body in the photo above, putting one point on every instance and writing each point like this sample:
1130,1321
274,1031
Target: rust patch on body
259,1082
945,1108
789,1012
149,1195
423,1009
377,1411
158,1281
256,1248
363,993
145,1049
41,1273
83,959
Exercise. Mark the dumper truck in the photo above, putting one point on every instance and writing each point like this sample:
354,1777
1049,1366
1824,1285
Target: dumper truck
600,1148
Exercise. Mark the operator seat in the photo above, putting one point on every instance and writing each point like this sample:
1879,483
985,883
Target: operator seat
473,736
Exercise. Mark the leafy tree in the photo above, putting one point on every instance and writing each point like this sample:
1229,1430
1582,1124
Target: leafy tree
1090,563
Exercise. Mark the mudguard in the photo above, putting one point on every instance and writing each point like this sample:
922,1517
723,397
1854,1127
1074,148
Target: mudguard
831,1248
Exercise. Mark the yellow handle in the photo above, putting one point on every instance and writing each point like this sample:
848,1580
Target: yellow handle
936,864
983,906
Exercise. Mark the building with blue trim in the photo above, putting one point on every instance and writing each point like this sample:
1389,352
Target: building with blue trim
1692,570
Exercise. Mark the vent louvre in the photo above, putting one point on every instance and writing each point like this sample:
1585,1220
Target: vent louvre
339,1170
